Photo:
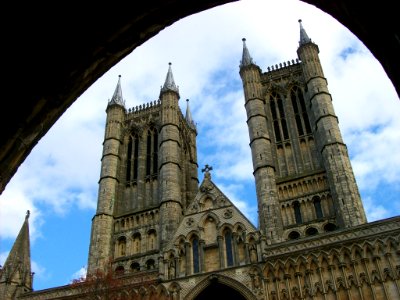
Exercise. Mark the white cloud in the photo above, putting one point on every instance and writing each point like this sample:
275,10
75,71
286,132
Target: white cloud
80,274
373,210
14,204
40,272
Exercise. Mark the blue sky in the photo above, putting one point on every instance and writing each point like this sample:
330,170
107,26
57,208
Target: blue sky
58,181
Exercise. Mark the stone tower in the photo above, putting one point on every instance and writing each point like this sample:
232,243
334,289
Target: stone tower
148,178
304,180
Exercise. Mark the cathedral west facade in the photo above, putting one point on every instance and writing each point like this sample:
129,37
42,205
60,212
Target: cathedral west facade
163,234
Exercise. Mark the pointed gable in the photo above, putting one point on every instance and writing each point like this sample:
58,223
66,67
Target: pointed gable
210,203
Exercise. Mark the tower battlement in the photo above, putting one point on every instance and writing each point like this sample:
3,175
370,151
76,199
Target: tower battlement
282,65
145,107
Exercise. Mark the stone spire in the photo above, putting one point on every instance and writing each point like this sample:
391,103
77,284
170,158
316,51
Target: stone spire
169,84
188,116
16,272
117,97
246,58
304,39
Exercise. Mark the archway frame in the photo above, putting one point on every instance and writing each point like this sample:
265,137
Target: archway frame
229,282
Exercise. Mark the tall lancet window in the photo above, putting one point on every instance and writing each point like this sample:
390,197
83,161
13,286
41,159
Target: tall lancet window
129,160
297,212
155,152
317,207
300,111
152,152
195,254
135,157
228,247
278,117
132,158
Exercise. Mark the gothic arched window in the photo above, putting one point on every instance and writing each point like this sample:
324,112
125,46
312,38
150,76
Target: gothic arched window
152,152
151,240
294,235
278,117
317,207
155,152
135,267
129,160
297,212
121,246
228,247
150,264
137,239
132,158
148,153
300,111
195,254
311,231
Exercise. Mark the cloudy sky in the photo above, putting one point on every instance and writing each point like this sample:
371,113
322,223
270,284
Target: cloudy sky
58,182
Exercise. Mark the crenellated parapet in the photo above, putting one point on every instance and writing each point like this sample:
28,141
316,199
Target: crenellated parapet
283,65
150,106
282,75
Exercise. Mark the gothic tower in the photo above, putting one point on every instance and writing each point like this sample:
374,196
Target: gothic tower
304,180
260,142
330,145
148,178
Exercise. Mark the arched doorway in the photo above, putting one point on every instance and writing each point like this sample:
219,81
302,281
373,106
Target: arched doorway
220,285
217,289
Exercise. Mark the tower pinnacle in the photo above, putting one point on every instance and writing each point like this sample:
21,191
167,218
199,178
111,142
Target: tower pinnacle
304,39
117,97
188,116
169,84
246,58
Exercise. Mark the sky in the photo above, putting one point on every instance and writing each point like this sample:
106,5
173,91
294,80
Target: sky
58,181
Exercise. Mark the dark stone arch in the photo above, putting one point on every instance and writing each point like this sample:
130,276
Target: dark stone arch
216,289
219,285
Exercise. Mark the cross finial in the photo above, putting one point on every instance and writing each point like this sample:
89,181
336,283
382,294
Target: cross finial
206,169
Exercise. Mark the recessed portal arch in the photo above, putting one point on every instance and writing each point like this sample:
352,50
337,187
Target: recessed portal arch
216,289
219,285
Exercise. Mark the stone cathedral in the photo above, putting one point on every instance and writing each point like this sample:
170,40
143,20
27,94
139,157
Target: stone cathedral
160,233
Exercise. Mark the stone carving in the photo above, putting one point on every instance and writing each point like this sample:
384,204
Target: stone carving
228,213
189,222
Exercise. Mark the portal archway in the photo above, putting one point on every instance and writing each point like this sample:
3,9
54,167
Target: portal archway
217,289
220,285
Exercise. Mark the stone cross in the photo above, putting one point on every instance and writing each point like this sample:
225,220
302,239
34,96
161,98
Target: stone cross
206,169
